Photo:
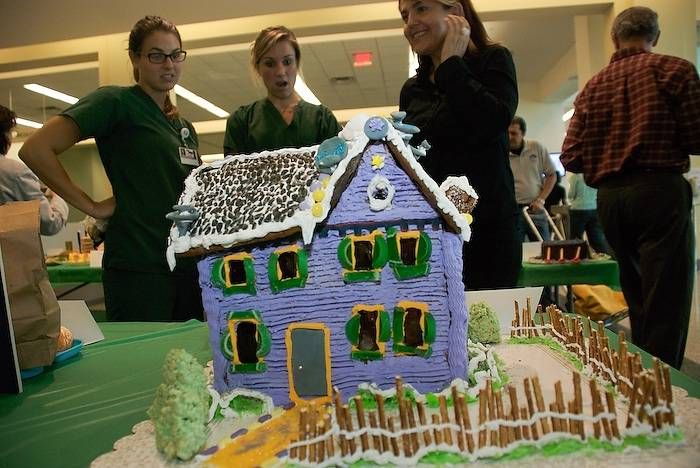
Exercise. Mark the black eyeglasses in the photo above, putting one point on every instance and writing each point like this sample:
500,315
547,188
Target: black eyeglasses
160,57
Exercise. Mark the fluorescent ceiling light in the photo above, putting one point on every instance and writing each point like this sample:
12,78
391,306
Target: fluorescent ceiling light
52,93
412,63
200,101
567,115
28,123
304,92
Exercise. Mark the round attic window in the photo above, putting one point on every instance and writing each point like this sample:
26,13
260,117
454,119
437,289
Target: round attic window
380,193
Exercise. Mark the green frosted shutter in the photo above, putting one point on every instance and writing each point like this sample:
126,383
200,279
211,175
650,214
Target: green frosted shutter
398,324
226,346
265,340
425,248
344,255
352,329
384,326
380,251
430,328
217,274
393,245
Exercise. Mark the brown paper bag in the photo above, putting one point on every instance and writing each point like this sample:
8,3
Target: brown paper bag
36,317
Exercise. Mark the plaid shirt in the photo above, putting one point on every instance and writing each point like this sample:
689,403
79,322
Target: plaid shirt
640,113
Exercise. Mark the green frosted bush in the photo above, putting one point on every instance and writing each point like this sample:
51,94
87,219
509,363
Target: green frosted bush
483,324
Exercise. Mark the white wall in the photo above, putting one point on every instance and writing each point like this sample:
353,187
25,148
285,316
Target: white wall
544,122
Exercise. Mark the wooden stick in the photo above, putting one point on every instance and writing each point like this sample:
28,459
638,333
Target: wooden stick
415,443
352,447
330,443
445,419
531,407
466,422
493,434
559,398
596,407
516,319
670,416
406,441
611,408
514,411
394,442
293,451
633,400
556,427
423,422
340,418
321,444
458,419
524,415
376,440
502,430
540,403
303,416
361,423
578,405
655,400
436,432
311,431
482,418
382,420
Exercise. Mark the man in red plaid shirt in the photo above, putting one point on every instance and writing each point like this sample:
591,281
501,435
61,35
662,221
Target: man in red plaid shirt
635,123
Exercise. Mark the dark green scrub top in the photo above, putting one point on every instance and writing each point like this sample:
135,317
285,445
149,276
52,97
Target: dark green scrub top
139,148
259,126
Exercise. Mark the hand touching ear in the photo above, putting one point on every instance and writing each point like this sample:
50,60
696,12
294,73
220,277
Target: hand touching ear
457,37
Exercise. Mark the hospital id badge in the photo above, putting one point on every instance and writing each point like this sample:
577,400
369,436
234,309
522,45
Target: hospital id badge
188,157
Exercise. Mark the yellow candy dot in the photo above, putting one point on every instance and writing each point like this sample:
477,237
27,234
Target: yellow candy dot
469,218
325,182
318,195
317,210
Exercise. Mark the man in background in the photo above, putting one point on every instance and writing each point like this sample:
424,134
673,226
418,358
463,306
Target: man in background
635,123
18,183
534,175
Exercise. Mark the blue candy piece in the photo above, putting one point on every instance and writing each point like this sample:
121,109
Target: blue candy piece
398,116
418,152
330,153
376,128
405,128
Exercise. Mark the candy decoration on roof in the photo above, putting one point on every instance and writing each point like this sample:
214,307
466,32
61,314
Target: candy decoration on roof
330,153
183,216
376,128
407,131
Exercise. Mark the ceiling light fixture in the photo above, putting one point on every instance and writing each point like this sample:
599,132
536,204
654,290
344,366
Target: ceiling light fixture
52,93
305,92
567,115
361,59
200,101
28,123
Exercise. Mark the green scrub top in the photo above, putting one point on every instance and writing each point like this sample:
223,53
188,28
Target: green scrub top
259,126
139,148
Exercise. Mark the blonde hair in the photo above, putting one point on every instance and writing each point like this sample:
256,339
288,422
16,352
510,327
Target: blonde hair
267,39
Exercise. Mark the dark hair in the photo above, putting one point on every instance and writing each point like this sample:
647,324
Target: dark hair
478,35
636,22
8,121
268,38
520,122
141,30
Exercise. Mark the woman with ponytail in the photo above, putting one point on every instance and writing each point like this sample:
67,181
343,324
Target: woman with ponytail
147,151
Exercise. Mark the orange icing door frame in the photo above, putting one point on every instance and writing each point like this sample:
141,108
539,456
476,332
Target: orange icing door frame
309,362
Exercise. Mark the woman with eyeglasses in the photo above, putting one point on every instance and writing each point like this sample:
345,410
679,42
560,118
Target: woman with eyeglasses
147,151
282,119
463,98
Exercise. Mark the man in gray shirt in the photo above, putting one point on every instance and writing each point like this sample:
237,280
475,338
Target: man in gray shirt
534,175
18,183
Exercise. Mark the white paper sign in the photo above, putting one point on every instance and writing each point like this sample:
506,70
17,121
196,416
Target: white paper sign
76,317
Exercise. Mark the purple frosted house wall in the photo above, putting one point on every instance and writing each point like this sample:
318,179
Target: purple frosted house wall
326,302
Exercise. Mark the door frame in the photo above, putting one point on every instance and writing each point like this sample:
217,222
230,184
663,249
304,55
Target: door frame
293,396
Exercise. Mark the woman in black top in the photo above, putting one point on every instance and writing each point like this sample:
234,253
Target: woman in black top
463,99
